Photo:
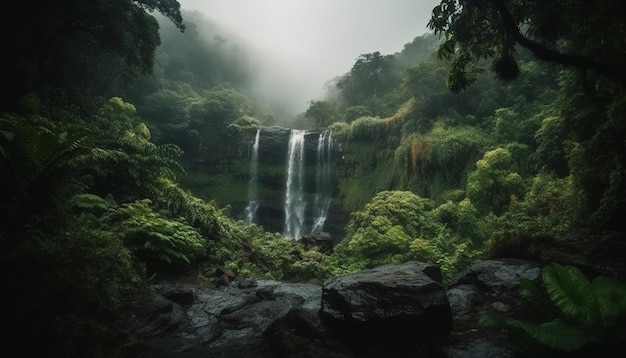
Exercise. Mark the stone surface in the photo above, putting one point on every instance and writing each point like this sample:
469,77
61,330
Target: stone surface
391,301
389,311
323,241
477,349
495,280
227,321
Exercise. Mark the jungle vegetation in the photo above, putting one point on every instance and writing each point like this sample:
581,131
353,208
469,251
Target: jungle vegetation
505,124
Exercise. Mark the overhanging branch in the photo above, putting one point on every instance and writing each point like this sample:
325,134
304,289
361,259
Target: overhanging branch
549,55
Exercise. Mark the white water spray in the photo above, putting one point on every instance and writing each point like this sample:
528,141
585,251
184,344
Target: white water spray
322,182
253,201
294,196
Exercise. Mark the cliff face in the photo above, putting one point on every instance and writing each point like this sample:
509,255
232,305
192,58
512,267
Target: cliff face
232,163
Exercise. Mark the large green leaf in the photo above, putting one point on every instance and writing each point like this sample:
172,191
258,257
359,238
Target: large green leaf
531,292
7,134
611,297
491,321
572,293
554,334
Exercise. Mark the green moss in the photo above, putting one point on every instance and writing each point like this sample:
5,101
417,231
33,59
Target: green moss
371,173
223,189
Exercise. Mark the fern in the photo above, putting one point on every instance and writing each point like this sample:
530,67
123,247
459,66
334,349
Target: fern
155,238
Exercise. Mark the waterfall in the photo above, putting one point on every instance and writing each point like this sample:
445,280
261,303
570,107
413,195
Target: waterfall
294,196
322,181
253,202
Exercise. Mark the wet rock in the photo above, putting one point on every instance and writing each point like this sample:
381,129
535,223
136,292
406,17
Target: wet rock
391,302
494,281
477,349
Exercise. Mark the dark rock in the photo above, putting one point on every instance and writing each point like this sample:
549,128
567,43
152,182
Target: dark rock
606,255
323,241
391,302
223,270
273,145
463,298
244,282
389,311
477,349
226,321
182,296
300,333
494,281
152,315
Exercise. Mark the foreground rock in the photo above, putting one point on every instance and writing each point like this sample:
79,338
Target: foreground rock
389,311
491,284
227,321
388,303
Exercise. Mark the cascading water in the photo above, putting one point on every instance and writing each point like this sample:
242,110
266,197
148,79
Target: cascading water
294,195
322,181
253,202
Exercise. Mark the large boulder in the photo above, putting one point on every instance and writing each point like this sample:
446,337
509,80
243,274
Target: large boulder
491,283
388,303
490,286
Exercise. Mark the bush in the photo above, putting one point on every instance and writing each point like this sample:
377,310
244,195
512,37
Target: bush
157,240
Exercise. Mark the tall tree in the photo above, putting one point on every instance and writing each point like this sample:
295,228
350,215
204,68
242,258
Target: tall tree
586,39
570,33
371,75
83,46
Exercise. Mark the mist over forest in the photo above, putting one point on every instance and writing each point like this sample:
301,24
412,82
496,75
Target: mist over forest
143,144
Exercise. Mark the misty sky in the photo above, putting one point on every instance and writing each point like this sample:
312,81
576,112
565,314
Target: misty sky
306,43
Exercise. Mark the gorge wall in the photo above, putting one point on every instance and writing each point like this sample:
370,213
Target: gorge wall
279,178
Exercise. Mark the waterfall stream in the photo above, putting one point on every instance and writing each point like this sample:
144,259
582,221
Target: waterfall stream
298,205
294,193
253,201
322,182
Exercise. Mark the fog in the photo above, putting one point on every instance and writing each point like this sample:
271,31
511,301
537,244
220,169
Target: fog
300,45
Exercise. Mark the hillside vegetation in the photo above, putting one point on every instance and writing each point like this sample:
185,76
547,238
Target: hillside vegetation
464,144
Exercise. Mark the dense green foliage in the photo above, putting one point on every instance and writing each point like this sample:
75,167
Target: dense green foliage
591,82
589,314
399,226
121,149
91,208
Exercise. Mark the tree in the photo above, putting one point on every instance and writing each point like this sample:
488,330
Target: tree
41,164
85,47
371,75
140,168
572,35
168,113
568,33
493,186
356,112
551,151
322,113
384,230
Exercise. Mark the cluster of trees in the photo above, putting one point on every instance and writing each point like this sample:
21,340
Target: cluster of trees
511,127
99,120
91,205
